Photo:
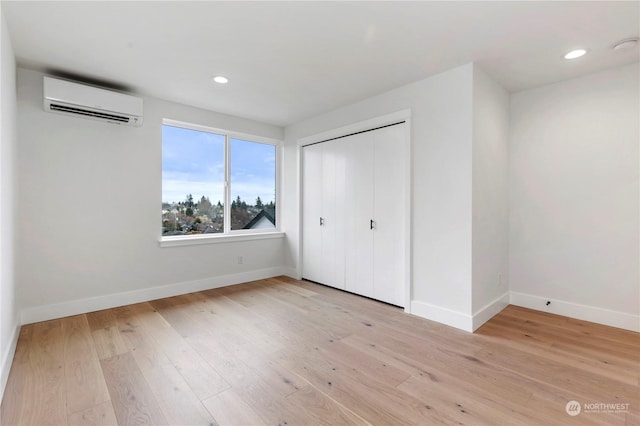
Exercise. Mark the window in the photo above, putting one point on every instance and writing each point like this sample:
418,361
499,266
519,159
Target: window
216,182
253,185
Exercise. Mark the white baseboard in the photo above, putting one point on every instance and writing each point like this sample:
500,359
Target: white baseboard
7,360
574,310
490,310
442,315
82,306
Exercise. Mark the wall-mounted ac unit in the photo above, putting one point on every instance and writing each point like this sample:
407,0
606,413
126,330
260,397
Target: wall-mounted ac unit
70,98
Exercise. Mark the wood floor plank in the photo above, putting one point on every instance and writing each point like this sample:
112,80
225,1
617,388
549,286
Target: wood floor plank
457,406
368,365
296,320
224,319
571,325
290,287
108,342
104,330
16,403
229,409
590,387
553,334
283,351
258,393
578,355
47,361
137,338
178,402
282,381
368,397
99,415
439,369
85,384
100,319
323,409
200,376
40,395
132,398
172,310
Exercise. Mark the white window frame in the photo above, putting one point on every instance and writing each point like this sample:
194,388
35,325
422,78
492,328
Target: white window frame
229,235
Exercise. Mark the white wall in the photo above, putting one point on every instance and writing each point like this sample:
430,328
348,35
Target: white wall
574,197
490,194
9,321
89,211
89,196
441,135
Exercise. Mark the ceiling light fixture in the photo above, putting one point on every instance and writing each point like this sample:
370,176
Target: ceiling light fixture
220,79
574,54
625,44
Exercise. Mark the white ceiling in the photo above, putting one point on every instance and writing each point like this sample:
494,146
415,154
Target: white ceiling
288,61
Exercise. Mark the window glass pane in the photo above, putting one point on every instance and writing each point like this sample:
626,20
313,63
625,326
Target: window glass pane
192,181
253,185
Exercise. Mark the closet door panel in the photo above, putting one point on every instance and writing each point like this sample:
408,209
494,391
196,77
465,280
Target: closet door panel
332,214
388,210
359,204
323,214
327,258
334,155
311,213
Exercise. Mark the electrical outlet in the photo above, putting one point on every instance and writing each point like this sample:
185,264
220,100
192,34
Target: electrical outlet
240,260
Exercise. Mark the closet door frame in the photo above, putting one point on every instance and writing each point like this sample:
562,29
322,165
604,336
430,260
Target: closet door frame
406,187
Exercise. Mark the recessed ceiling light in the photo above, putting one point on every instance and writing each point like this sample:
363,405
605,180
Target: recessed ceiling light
625,44
220,79
574,54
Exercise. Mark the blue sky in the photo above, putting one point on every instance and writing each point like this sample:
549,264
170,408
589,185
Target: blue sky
193,163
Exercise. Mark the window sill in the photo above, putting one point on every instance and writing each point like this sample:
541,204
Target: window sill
190,240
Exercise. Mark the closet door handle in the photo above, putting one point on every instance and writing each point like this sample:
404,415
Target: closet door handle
321,222
372,224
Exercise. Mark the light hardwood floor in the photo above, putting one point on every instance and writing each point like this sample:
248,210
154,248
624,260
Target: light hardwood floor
286,352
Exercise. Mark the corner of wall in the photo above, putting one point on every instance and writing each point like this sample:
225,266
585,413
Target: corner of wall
291,273
490,195
7,360
490,310
9,322
459,320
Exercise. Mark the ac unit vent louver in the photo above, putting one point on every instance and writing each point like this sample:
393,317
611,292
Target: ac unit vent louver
65,97
94,114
